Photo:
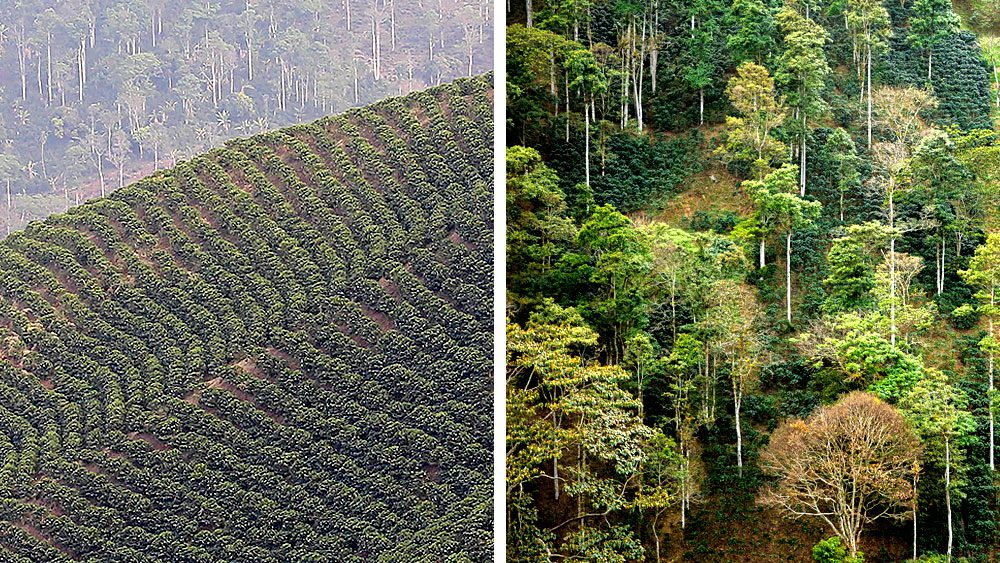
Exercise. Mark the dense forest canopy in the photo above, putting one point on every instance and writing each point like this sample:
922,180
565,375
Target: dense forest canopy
95,94
277,351
753,272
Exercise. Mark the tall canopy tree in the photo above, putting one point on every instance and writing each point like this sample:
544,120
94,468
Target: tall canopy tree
848,464
869,25
589,79
684,365
984,275
701,47
620,258
537,226
752,93
937,411
742,342
574,417
784,212
941,183
840,146
754,37
931,22
802,68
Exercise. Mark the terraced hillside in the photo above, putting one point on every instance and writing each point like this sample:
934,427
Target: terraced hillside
278,351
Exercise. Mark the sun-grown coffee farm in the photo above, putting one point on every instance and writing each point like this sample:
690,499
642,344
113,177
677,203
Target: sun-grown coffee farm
277,351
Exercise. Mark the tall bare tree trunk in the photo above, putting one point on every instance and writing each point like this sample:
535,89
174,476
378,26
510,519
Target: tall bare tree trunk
22,63
48,54
356,97
788,277
947,490
737,400
586,120
869,74
100,174
892,263
802,162
990,394
701,106
249,56
82,66
914,515
9,207
996,77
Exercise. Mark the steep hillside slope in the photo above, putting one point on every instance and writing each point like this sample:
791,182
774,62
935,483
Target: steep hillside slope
278,351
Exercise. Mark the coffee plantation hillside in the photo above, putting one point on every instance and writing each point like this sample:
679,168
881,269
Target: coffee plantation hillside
277,351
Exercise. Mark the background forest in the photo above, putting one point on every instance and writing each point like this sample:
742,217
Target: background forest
753,274
95,94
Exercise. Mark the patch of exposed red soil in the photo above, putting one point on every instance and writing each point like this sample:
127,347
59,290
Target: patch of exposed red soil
38,535
105,249
384,322
219,383
249,365
335,134
456,237
64,280
143,255
355,337
193,398
376,180
390,288
239,179
112,454
431,471
421,115
47,383
32,531
54,301
163,244
97,469
440,294
153,441
48,505
292,362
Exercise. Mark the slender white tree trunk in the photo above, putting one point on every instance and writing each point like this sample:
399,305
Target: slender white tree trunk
656,536
992,434
788,277
737,399
914,515
996,78
941,266
701,106
9,207
869,79
684,479
947,490
802,163
586,120
892,267
100,174
762,262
